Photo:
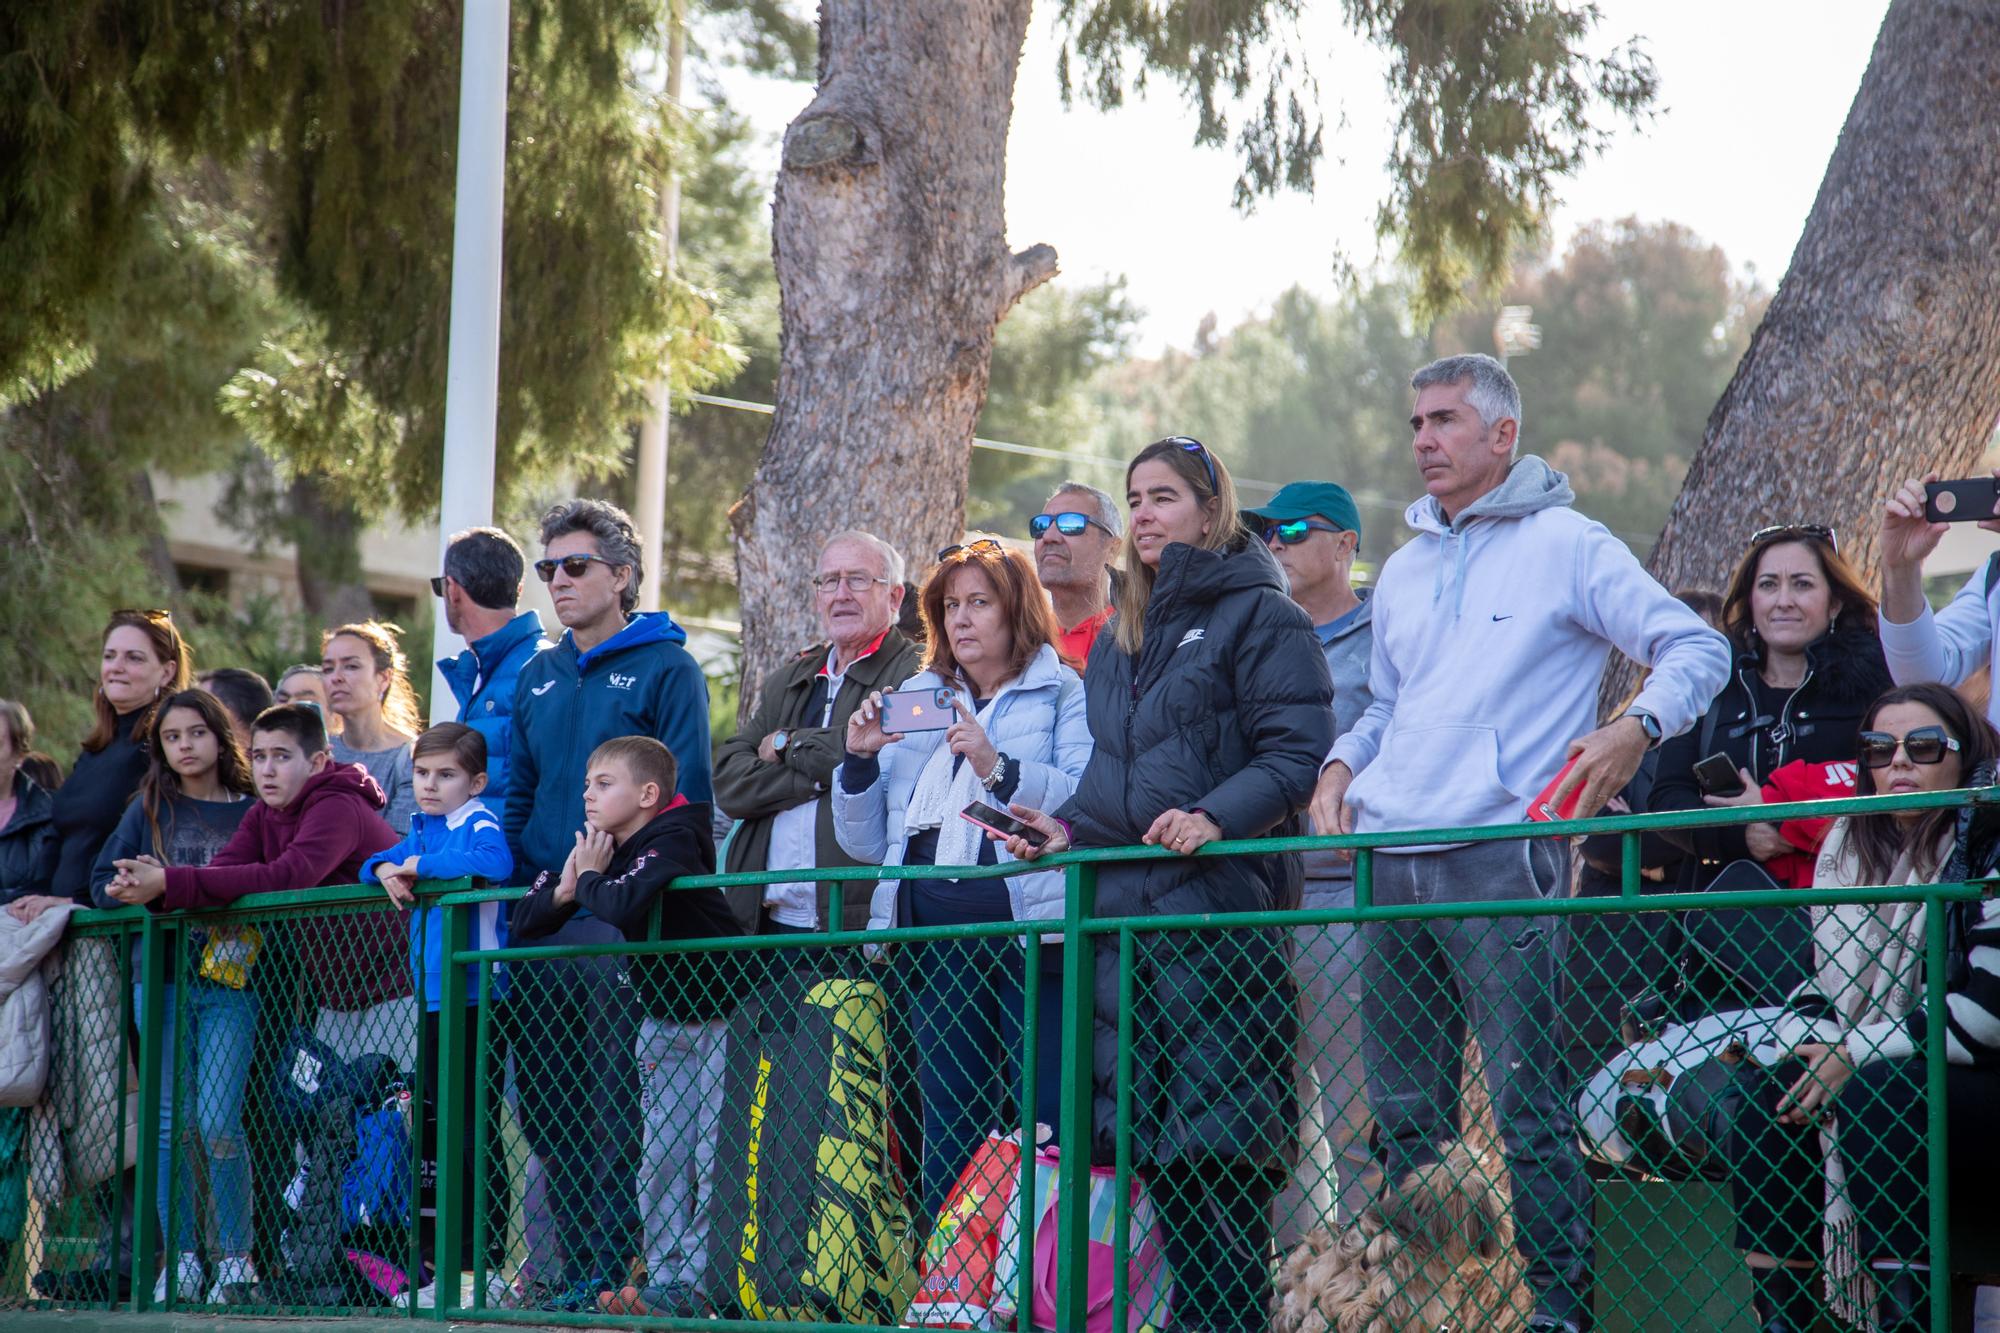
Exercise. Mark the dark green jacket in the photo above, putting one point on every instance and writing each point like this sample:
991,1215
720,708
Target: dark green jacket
753,791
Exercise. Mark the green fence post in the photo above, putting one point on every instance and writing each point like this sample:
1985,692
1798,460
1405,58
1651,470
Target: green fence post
153,965
1630,871
452,1036
1936,922
481,1071
1073,1175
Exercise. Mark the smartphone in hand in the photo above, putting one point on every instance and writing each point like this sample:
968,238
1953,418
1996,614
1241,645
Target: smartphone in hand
1717,776
1541,810
995,820
904,711
1966,501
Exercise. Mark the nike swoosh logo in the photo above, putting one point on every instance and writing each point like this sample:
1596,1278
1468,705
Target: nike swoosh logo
1497,618
542,688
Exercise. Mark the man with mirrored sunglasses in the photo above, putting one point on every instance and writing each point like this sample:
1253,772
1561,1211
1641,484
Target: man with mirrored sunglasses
1074,536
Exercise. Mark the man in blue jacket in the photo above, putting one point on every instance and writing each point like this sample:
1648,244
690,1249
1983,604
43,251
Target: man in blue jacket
481,587
574,1022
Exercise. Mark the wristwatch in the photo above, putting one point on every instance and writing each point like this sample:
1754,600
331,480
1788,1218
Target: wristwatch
1648,724
780,739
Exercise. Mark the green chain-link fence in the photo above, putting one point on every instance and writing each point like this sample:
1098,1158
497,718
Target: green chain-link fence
1423,1111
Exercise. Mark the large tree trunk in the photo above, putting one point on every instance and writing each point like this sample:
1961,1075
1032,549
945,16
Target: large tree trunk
893,272
326,533
1877,358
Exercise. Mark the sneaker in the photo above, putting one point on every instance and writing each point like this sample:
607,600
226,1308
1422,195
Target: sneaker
426,1297
673,1300
578,1297
187,1281
527,1294
234,1276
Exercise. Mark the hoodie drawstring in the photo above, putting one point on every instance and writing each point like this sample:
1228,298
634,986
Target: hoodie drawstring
1455,540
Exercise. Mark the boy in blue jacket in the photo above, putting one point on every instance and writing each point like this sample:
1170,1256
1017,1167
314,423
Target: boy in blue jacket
453,835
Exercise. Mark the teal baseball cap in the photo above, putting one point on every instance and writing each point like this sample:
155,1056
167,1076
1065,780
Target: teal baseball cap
1303,499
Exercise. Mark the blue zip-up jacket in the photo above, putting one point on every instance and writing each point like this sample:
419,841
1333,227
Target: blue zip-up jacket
639,682
482,680
467,842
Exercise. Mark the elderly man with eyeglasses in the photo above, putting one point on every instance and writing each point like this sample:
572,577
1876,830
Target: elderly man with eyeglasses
1075,535
774,774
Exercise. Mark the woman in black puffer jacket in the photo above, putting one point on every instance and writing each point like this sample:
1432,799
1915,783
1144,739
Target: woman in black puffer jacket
1211,710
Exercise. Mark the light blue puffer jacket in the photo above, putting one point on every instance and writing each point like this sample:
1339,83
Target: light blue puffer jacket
1038,721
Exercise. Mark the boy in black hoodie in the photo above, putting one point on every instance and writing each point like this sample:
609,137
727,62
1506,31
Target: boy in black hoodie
638,835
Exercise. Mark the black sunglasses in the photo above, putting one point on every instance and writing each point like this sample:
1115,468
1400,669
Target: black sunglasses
1925,745
1819,530
576,566
1296,530
978,544
1069,523
437,585
1190,444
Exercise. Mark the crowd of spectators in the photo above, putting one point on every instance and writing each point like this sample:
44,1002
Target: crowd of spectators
1173,669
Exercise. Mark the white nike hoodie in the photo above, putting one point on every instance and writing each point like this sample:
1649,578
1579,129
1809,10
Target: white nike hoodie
1491,635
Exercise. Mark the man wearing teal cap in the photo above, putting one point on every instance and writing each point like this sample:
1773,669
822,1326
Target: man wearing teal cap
1313,529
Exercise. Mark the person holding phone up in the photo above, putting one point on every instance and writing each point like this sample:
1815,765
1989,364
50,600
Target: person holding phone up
1952,644
1807,662
1012,729
1212,706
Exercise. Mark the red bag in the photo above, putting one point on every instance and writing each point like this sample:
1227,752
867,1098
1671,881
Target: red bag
956,1289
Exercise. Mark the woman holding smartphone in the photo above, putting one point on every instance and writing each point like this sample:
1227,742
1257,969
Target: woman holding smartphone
1016,732
1212,715
1808,661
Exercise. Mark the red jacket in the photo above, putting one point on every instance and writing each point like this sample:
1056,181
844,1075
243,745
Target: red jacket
1805,780
332,826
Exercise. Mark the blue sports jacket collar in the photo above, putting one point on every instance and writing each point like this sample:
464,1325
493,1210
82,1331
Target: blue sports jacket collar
643,628
463,671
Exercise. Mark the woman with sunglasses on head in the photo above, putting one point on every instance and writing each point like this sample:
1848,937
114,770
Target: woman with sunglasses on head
1017,733
144,660
1848,1102
368,689
1212,709
1807,663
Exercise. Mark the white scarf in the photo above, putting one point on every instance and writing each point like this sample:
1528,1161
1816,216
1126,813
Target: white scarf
941,794
1868,964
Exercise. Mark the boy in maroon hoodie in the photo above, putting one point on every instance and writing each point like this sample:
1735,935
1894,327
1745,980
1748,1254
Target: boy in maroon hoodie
315,823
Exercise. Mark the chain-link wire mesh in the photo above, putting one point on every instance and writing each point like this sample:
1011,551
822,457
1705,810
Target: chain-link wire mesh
1465,1103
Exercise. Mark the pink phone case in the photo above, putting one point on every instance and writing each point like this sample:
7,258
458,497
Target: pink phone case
904,711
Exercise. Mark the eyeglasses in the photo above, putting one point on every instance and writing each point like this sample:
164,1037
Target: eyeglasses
437,584
852,582
1069,523
1296,531
970,548
1819,530
1925,745
576,566
145,613
1200,450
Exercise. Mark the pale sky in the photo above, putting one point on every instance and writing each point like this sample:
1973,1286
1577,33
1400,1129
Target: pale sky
1752,98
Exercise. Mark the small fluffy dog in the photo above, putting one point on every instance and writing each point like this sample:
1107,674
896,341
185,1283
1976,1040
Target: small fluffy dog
1436,1253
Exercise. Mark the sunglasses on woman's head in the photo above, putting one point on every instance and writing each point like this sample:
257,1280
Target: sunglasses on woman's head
1069,523
1295,531
1819,530
1190,444
979,544
576,566
1925,745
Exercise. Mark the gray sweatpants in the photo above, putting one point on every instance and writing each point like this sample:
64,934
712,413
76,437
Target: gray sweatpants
1425,980
680,1099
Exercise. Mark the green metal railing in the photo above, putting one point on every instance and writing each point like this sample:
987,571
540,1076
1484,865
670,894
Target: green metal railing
161,940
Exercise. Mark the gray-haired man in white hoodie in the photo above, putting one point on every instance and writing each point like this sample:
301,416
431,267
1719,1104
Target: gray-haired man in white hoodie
1492,628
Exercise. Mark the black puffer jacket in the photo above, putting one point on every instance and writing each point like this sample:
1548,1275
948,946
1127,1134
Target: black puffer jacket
1228,707
28,843
1818,722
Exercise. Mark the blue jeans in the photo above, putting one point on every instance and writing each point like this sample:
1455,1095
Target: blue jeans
214,1071
966,1004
